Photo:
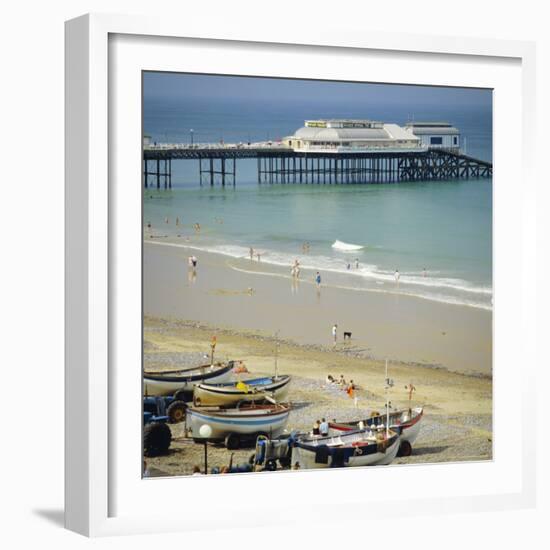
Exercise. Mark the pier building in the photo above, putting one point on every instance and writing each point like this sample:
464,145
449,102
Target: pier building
345,135
436,135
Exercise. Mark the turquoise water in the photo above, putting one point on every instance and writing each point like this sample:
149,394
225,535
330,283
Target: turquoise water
444,228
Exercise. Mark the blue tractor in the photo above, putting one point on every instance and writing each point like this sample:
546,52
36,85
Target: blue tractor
172,407
157,413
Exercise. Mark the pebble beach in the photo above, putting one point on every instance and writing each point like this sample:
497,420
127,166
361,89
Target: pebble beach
457,424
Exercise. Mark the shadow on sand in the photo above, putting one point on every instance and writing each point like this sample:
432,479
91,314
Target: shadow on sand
430,450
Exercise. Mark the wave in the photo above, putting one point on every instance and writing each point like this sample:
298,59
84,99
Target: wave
432,287
346,247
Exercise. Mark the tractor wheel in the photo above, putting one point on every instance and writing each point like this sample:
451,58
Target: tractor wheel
156,438
271,465
183,395
232,442
176,411
284,462
405,449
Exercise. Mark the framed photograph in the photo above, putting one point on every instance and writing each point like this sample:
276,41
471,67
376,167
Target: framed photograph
291,270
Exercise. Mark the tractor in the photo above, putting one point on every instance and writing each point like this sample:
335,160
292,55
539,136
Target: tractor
156,434
172,407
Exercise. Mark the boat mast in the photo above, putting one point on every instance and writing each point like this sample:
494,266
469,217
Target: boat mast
276,354
387,386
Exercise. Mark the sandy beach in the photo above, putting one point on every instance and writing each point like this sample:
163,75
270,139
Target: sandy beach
249,295
458,408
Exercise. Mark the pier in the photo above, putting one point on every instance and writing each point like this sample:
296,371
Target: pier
281,164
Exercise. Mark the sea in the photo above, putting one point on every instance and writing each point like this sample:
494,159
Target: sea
437,235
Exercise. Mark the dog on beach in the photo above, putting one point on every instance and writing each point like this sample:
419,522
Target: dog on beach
347,335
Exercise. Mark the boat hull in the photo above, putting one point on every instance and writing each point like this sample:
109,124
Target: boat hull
245,422
225,394
161,384
408,426
311,456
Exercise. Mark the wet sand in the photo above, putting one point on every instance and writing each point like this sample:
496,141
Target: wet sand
249,295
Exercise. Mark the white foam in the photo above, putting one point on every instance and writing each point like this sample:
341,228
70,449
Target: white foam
436,288
346,247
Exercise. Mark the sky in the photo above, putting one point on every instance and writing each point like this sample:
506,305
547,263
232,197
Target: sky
166,86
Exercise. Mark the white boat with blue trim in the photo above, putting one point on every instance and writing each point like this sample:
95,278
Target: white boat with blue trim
358,448
169,382
247,419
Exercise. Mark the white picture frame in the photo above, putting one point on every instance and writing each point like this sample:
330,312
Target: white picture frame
104,54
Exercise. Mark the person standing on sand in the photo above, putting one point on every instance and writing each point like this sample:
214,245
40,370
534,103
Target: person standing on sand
334,334
356,263
424,273
396,275
318,280
194,261
177,220
251,252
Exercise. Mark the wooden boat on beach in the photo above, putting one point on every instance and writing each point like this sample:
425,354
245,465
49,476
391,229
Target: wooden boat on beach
169,382
229,393
354,448
405,422
232,425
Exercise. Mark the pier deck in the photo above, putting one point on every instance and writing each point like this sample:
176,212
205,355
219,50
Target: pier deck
284,165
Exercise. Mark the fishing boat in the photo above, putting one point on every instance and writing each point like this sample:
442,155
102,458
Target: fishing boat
234,425
406,422
169,382
272,388
355,448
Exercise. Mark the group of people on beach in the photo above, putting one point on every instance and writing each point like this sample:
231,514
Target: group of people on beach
320,427
348,387
348,266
